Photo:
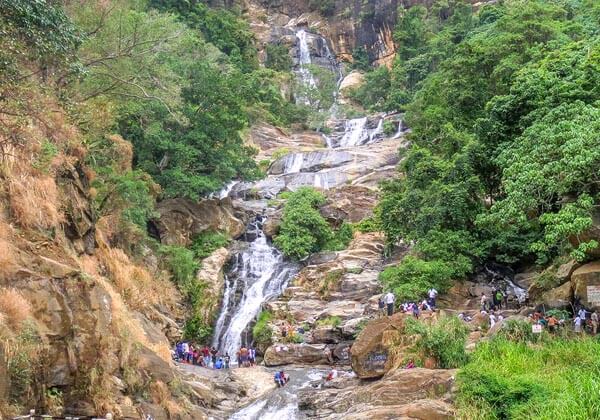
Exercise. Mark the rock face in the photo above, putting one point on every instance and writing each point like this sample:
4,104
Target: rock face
182,219
584,278
411,394
271,140
285,354
211,274
349,203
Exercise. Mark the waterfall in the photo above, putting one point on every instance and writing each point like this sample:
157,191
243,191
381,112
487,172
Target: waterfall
354,132
306,77
260,273
293,163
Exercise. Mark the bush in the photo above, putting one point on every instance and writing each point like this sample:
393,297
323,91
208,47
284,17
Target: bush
181,262
278,58
370,224
326,7
197,329
444,341
413,277
341,238
303,230
207,242
262,331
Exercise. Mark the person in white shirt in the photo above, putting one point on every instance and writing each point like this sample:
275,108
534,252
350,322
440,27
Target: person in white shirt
389,300
594,322
432,293
577,322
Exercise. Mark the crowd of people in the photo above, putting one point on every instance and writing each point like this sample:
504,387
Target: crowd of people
387,304
186,352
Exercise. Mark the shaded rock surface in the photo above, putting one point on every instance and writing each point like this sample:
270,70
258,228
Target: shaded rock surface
412,393
182,219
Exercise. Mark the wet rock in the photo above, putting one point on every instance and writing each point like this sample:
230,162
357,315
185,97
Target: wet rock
182,219
271,140
325,334
582,279
284,354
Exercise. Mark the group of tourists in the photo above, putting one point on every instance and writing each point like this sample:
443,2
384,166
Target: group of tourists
386,304
498,300
186,352
246,356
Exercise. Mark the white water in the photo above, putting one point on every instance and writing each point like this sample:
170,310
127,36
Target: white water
263,274
306,77
356,132
293,163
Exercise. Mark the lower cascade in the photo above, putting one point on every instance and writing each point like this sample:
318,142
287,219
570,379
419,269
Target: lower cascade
259,273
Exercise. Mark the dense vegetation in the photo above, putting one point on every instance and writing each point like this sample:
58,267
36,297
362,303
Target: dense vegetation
304,230
503,107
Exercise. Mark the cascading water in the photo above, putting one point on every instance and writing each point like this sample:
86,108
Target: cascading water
356,132
260,273
293,163
306,77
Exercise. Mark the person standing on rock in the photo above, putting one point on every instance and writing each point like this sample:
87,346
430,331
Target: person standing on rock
483,302
381,305
389,299
432,293
206,356
227,360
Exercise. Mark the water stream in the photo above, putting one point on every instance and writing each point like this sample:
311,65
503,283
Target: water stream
259,273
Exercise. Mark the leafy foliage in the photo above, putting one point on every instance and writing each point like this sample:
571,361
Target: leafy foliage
207,242
303,230
278,57
262,333
411,279
503,107
443,341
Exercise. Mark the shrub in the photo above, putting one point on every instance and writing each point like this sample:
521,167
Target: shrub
444,341
181,262
389,128
278,58
413,277
370,224
341,238
207,242
303,230
197,329
326,7
262,331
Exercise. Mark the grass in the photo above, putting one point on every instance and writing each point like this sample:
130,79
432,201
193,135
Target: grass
333,321
557,379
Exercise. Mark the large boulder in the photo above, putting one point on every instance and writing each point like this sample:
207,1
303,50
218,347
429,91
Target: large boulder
370,352
558,297
592,234
584,280
353,80
285,354
182,219
403,393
